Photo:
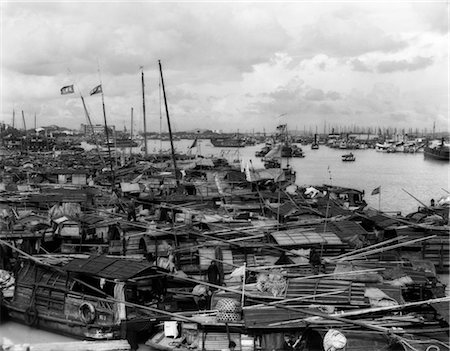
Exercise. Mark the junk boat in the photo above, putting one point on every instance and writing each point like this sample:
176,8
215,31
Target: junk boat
89,297
437,151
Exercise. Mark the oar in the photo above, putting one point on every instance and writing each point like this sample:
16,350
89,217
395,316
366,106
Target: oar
415,198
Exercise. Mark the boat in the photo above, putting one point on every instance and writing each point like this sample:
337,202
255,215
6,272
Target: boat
291,150
228,142
348,157
272,163
82,296
122,143
437,151
263,152
315,144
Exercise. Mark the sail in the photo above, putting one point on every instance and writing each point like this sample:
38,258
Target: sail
275,152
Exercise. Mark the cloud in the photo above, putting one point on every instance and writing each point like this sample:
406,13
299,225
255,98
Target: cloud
123,37
360,66
226,65
434,14
343,37
416,63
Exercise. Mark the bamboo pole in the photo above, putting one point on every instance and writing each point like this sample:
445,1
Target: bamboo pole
299,298
383,249
371,310
367,248
305,311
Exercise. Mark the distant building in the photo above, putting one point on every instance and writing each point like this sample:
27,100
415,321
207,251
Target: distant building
86,129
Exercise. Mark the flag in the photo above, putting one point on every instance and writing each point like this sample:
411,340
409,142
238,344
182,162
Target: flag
96,90
376,190
67,90
248,175
218,184
194,144
238,272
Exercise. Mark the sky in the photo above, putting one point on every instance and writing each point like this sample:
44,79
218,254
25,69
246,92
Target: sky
230,66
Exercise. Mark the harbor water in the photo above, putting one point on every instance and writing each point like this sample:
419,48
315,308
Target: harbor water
395,174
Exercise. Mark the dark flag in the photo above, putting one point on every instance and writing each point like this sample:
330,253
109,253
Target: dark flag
67,90
96,90
376,190
194,144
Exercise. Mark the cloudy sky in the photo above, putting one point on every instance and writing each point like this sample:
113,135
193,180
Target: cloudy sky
228,65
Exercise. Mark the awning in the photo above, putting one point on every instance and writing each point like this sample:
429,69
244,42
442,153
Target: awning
294,237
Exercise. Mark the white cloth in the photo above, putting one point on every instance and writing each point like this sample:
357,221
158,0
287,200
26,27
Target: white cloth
334,340
119,294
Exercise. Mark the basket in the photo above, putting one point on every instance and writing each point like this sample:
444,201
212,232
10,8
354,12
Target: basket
228,316
228,305
228,310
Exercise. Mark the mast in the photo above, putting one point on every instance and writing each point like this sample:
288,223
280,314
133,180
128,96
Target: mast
131,134
113,181
143,112
92,129
24,124
14,117
168,124
25,127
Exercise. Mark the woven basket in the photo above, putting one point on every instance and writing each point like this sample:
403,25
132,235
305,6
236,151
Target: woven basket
228,305
229,310
228,316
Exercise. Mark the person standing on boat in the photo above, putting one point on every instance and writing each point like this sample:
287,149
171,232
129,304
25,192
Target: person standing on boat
213,273
131,210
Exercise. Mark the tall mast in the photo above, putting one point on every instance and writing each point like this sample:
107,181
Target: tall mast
92,129
168,124
25,127
113,181
131,133
24,124
143,112
14,117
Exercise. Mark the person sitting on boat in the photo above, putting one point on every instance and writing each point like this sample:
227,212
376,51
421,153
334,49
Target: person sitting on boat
315,260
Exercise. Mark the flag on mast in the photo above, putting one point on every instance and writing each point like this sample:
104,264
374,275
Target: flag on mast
96,90
67,90
376,191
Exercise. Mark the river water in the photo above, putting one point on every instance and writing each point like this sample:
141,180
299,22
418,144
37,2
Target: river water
395,173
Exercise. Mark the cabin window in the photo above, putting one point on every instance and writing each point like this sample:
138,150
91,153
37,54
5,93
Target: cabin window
93,287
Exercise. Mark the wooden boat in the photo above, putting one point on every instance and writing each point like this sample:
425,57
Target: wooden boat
94,297
348,157
437,151
228,142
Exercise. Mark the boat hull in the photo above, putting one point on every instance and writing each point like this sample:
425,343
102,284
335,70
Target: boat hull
223,142
64,326
438,153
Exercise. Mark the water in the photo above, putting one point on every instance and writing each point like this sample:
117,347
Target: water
423,178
